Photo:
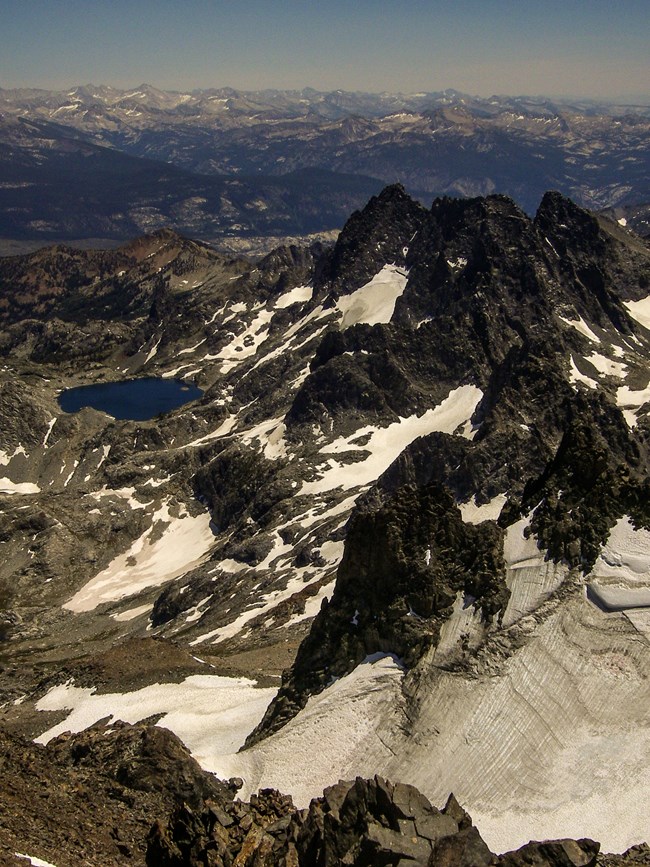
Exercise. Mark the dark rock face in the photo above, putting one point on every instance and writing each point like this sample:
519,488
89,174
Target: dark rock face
636,856
232,482
564,853
485,291
143,759
595,476
404,562
223,833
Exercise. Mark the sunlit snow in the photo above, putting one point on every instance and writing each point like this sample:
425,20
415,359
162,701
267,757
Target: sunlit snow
640,310
245,344
606,366
182,544
385,444
294,296
575,376
630,401
339,734
580,325
34,861
374,303
621,575
490,511
132,613
9,487
211,714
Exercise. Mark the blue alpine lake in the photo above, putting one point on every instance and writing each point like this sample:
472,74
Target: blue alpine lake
135,399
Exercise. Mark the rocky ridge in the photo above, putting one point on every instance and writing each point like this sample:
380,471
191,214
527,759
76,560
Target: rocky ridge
103,788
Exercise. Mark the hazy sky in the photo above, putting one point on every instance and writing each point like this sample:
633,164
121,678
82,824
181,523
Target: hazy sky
555,47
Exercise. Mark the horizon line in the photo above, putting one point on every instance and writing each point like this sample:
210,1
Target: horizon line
638,100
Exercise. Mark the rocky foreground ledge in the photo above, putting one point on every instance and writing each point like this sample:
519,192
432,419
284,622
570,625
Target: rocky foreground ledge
134,795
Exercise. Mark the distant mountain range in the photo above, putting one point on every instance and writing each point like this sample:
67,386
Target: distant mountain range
97,162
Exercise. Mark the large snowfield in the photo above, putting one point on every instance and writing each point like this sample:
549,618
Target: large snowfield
548,744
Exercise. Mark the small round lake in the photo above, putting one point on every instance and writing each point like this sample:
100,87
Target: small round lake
135,399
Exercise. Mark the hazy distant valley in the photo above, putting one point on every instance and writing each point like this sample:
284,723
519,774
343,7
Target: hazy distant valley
235,168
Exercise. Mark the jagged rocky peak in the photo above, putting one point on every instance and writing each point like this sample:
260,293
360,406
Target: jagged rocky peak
489,249
481,282
485,249
379,234
598,256
478,315
558,212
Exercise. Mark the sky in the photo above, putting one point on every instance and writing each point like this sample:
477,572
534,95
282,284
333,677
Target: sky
584,48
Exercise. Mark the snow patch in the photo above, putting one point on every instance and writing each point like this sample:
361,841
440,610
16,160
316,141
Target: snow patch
209,713
294,296
50,425
626,397
630,401
575,376
224,428
639,310
182,545
192,348
606,366
36,862
9,487
385,444
374,303
490,511
6,459
270,435
580,325
132,613
152,352
313,605
339,734
245,344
